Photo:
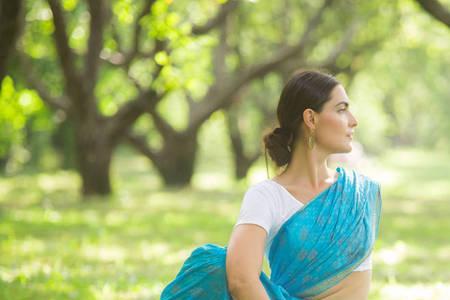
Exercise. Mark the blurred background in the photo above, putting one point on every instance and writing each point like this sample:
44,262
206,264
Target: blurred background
130,131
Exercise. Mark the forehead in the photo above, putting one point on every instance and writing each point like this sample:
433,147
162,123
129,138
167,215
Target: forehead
337,96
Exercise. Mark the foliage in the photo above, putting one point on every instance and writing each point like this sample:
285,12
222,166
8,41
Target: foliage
404,85
22,114
397,58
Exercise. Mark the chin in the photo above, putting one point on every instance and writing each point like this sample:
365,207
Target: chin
346,149
349,148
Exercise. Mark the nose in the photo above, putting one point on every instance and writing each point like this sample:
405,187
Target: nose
353,120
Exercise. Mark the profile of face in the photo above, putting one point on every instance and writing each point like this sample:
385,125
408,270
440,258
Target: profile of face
335,123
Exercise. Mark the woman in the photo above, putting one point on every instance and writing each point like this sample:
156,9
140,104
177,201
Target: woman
316,226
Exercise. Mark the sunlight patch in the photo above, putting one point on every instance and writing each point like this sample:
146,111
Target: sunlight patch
28,270
29,245
435,291
110,253
211,181
153,250
388,177
394,255
176,257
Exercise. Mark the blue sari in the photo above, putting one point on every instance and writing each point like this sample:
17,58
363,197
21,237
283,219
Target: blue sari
315,249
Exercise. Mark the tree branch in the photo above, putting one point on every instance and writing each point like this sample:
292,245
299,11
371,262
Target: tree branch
341,46
146,9
288,52
329,63
122,120
147,98
220,94
65,53
436,10
115,35
61,103
140,144
98,18
222,14
164,128
133,109
220,53
123,58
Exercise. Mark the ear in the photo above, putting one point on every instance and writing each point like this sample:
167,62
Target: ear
310,118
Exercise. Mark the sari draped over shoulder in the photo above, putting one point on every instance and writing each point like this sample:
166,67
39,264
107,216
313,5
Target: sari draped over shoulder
315,249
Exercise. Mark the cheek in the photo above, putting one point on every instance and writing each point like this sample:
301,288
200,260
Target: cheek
331,124
331,130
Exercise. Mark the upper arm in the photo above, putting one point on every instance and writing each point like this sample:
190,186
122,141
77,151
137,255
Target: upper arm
246,246
245,254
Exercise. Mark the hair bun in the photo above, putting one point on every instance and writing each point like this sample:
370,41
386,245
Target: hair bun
282,130
286,133
278,144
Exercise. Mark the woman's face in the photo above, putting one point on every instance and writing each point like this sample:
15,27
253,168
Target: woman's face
336,123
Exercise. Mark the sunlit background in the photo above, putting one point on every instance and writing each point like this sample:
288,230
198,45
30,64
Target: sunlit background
130,131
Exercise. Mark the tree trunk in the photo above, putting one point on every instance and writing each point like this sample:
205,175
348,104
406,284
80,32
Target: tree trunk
3,162
11,21
63,142
242,165
177,159
242,160
94,152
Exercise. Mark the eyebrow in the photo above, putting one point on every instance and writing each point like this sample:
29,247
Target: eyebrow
343,102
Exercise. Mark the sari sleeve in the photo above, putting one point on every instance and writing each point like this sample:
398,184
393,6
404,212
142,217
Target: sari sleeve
256,208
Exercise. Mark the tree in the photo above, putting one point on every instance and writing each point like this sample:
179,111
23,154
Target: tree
175,161
96,135
152,41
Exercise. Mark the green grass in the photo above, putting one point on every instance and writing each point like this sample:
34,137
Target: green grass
129,246
412,256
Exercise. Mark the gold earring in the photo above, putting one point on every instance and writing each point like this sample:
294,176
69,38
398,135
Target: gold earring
311,141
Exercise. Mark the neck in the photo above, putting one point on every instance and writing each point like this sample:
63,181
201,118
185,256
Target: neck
308,168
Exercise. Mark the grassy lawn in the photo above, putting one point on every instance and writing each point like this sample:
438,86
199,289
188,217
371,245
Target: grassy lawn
132,244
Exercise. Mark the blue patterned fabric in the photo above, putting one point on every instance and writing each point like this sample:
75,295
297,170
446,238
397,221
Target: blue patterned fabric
315,249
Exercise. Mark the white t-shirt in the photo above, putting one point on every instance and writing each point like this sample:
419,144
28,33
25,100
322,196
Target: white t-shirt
268,204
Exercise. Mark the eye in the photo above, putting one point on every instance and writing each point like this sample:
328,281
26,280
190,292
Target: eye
342,109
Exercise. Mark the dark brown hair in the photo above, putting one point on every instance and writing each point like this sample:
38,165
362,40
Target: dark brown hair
305,89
